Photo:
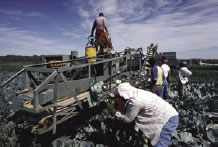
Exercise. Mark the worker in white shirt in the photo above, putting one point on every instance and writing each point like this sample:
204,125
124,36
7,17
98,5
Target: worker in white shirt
166,71
183,75
155,117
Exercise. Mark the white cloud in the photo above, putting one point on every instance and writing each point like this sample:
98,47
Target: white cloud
22,42
74,34
181,26
108,7
191,26
20,13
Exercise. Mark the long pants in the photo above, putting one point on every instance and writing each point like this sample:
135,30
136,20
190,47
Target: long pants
165,90
167,132
181,89
98,33
158,90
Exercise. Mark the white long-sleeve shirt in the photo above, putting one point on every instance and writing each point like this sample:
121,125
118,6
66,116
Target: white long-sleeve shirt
166,69
149,111
100,22
183,74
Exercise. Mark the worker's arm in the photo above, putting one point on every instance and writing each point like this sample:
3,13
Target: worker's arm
169,76
105,24
164,78
131,112
106,29
154,74
187,72
93,28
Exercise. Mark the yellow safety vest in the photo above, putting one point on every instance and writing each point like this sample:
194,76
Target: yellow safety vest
159,76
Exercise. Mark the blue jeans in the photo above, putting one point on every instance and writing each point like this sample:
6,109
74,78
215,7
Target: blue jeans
181,89
158,90
165,90
167,132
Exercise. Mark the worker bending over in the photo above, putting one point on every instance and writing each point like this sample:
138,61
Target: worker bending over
155,117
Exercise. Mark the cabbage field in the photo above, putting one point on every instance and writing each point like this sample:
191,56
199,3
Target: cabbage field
97,127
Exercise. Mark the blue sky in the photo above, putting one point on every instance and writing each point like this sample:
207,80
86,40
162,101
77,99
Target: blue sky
35,27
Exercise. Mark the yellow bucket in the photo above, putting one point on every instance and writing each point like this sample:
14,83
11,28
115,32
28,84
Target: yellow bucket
91,52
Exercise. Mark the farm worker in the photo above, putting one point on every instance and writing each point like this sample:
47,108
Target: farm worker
166,71
99,25
157,77
155,117
182,77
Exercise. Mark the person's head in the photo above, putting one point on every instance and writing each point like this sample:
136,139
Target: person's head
124,90
183,64
114,93
152,61
164,59
101,14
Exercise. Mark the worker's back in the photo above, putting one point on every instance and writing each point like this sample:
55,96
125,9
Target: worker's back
152,111
100,22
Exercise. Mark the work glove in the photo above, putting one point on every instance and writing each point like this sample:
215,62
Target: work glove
118,114
111,95
110,106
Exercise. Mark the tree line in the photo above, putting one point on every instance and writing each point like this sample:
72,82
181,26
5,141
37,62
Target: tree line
19,58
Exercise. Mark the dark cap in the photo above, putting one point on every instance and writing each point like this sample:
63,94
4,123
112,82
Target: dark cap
164,58
101,14
183,64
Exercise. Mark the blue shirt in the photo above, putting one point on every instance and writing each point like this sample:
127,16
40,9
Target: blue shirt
157,74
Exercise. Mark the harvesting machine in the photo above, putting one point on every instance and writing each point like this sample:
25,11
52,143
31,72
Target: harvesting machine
59,88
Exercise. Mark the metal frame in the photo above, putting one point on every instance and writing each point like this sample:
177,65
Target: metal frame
57,81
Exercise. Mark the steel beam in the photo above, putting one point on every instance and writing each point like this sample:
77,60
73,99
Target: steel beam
44,83
40,69
14,76
87,64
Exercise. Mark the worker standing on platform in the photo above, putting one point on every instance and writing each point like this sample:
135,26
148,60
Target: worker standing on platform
155,117
182,77
157,77
166,71
99,25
